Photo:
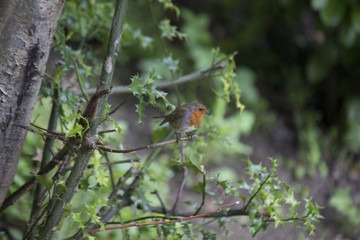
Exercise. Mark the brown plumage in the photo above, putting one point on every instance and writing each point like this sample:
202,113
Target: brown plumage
185,118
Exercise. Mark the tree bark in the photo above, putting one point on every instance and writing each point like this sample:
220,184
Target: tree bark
26,32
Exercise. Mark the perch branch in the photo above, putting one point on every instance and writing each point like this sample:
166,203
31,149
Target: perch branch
154,145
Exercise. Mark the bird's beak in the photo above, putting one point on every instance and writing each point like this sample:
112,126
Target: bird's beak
207,112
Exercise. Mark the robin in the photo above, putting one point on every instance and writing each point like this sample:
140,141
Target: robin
185,118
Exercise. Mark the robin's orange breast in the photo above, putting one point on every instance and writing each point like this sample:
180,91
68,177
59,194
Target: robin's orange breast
195,118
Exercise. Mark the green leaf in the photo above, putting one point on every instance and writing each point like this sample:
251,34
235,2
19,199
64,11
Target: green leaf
199,187
169,5
191,165
71,117
257,225
76,130
140,109
136,86
168,31
242,184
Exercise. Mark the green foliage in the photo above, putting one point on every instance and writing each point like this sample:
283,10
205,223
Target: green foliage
87,20
168,31
231,88
144,86
169,5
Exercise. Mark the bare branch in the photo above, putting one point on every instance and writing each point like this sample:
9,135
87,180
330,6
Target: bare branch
160,200
166,222
186,78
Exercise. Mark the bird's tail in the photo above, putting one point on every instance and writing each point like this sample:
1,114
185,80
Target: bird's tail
164,121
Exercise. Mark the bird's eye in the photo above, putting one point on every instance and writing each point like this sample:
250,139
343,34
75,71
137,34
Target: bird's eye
201,109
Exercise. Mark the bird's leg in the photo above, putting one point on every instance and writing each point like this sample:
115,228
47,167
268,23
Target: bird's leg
177,137
189,136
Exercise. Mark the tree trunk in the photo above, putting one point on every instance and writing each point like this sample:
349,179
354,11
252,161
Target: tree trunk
26,32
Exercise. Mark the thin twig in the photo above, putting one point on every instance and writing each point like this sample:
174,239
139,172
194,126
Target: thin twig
186,78
48,130
46,134
154,145
203,194
143,218
166,222
111,173
183,176
254,195
78,77
115,162
119,106
160,200
107,131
